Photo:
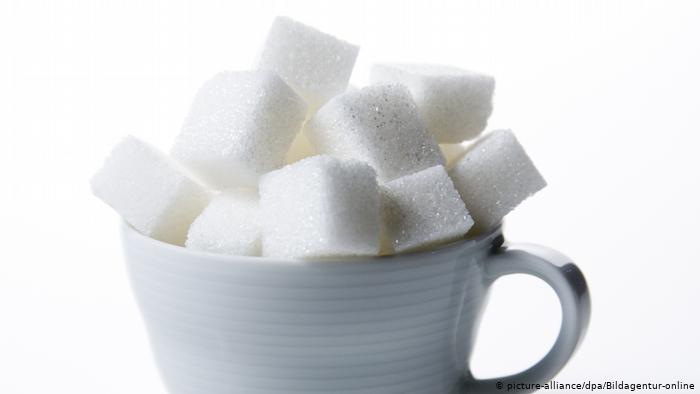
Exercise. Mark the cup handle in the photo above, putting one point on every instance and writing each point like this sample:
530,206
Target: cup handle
570,286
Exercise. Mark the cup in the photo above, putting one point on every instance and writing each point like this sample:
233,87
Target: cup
372,325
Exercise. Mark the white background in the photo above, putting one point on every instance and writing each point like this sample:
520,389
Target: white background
604,96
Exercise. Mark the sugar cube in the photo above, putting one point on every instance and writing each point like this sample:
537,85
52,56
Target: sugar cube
228,225
152,192
315,64
378,124
494,176
422,209
455,103
320,206
240,126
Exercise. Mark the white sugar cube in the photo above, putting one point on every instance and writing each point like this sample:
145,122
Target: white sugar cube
152,192
455,103
320,206
317,65
494,176
230,224
240,126
422,209
379,125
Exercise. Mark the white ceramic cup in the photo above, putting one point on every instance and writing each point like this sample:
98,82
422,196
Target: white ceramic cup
396,324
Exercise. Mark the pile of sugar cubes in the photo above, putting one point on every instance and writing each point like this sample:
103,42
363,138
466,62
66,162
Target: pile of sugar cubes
286,161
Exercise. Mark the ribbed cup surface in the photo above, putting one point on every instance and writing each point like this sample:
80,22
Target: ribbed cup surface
220,324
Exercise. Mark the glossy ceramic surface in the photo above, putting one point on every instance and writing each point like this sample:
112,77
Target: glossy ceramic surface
397,324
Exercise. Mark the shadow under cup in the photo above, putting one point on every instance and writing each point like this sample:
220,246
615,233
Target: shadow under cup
395,324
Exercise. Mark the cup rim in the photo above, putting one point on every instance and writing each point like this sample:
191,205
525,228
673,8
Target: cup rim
129,234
